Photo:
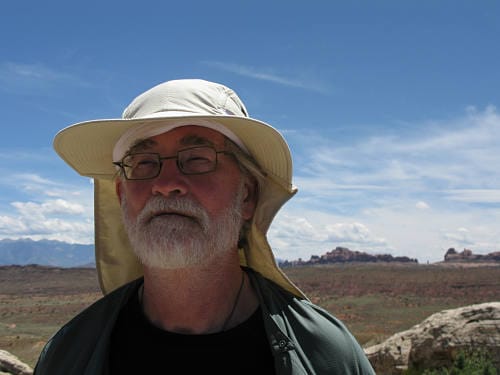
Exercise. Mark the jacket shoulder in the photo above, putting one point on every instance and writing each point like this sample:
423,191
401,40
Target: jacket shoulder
317,340
76,343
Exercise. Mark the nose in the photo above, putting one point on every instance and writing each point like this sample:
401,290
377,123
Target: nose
170,181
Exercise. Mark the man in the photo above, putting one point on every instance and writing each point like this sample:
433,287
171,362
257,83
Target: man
186,186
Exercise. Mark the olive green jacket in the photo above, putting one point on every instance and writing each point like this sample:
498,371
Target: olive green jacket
304,338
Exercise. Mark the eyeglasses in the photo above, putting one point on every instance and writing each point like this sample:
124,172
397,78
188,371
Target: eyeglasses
190,161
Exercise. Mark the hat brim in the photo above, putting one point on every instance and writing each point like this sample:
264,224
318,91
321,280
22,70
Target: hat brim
87,148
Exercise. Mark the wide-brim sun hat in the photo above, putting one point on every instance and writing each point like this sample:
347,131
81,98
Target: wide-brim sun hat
91,147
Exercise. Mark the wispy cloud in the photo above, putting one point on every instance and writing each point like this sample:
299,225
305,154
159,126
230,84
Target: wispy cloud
444,158
35,76
474,195
251,72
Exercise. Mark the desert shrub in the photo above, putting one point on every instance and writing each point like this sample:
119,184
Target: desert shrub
468,362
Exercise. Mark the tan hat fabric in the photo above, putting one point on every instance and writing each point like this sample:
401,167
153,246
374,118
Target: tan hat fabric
89,147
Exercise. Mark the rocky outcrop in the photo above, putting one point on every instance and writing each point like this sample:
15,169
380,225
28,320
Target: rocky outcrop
10,364
436,341
468,256
344,255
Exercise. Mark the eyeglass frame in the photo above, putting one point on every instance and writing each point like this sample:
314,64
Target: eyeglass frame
122,165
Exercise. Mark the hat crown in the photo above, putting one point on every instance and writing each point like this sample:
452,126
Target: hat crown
186,96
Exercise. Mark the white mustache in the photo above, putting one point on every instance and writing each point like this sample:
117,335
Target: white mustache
158,205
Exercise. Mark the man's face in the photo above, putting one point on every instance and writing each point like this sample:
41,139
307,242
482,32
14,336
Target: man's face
177,220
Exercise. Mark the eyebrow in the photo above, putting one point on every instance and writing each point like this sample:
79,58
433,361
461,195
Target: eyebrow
141,145
189,140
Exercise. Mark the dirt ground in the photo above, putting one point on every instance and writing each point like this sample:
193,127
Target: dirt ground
373,300
35,301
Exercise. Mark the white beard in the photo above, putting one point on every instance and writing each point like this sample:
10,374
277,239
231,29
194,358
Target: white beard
178,241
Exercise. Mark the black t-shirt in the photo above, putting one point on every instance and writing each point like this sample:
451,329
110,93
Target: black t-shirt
138,347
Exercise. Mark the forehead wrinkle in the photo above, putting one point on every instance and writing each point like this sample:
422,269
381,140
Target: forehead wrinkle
195,140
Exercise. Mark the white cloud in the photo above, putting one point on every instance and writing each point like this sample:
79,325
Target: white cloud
39,226
300,234
267,76
50,209
355,233
461,235
422,205
56,206
12,225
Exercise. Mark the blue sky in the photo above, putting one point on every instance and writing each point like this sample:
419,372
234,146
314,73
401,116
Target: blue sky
390,109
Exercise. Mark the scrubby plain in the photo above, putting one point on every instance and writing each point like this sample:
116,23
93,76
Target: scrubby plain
373,300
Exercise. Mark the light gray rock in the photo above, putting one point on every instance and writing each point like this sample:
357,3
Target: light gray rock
10,364
438,339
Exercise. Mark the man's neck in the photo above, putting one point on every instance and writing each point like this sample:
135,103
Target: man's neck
198,300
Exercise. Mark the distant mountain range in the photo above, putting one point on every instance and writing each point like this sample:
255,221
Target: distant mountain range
62,254
46,252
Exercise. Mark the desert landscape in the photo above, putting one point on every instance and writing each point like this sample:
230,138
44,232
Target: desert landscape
375,300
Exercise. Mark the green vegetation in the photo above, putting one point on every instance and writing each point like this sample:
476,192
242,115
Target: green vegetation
472,362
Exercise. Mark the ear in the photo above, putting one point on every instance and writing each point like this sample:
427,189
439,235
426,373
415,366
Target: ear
250,198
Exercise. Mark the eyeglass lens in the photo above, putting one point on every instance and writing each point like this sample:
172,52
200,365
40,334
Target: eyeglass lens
194,160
